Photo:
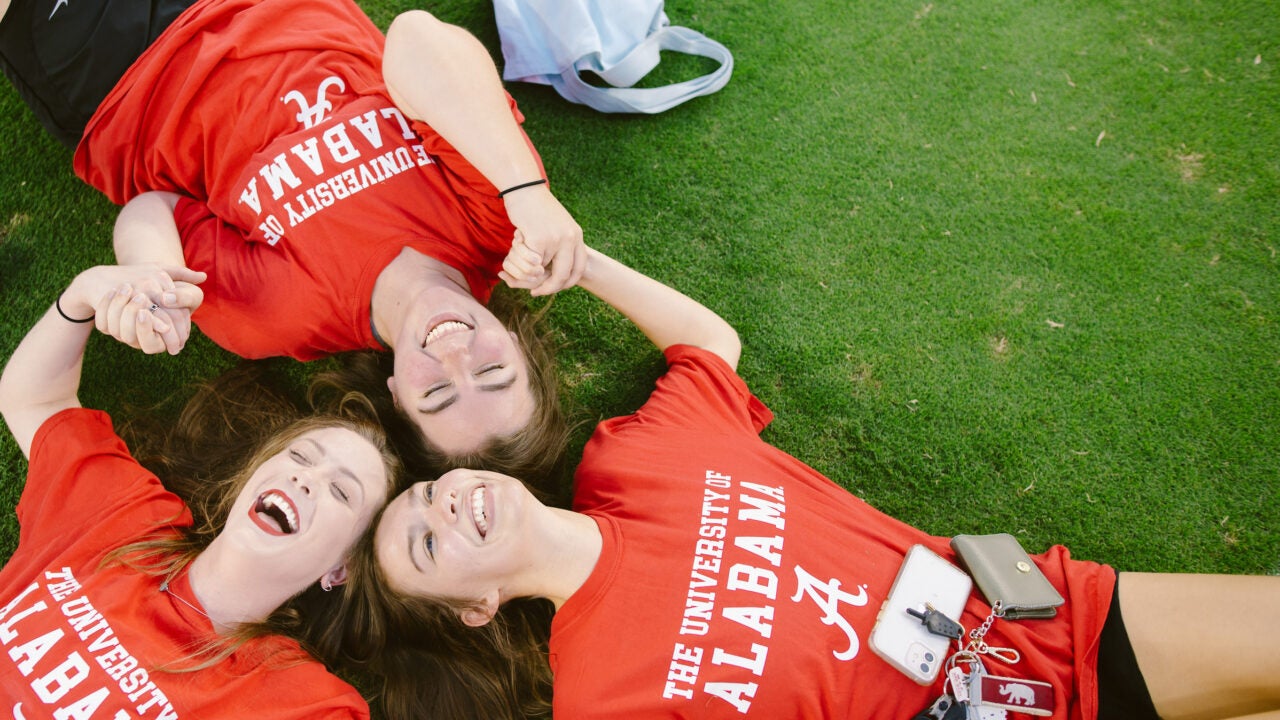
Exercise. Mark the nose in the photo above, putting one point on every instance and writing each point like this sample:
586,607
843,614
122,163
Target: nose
454,356
303,481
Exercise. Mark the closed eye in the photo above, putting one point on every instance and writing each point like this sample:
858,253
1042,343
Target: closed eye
340,493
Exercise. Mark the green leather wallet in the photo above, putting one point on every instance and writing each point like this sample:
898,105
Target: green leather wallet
1004,572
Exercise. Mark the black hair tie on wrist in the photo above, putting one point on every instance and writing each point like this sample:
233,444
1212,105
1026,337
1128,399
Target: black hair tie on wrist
531,183
58,304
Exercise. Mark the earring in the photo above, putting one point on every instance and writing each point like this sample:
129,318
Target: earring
325,585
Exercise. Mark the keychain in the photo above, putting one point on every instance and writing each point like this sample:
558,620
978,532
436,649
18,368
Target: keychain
1001,694
970,693
980,647
979,710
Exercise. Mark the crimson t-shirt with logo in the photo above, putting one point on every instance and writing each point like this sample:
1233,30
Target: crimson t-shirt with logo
737,580
301,179
80,638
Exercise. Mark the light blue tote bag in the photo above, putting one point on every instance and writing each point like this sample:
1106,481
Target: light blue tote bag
551,41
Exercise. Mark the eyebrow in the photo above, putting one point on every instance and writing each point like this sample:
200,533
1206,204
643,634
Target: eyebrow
342,469
492,387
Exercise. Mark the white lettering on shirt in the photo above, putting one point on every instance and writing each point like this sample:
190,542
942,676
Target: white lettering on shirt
734,578
57,661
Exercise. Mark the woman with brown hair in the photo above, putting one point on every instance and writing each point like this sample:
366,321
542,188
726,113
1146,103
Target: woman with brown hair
704,573
123,599
343,190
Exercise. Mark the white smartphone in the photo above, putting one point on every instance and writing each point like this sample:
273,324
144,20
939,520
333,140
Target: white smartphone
901,638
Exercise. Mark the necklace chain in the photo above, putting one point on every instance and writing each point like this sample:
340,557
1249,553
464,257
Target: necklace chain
164,588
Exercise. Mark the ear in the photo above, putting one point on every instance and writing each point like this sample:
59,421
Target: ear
335,577
391,388
482,612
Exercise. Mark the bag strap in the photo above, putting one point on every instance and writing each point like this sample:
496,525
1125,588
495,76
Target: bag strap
637,64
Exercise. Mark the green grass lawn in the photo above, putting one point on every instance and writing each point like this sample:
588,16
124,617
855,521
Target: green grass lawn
997,266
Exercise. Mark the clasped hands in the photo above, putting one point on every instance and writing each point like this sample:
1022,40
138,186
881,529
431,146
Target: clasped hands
145,306
547,252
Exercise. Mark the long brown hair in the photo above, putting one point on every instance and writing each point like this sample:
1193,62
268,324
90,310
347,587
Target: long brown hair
431,665
535,453
227,430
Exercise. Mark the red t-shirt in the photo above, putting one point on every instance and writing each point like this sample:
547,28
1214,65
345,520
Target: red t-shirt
734,578
301,179
82,640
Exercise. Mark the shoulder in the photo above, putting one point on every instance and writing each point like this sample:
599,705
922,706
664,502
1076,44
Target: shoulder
701,390
82,472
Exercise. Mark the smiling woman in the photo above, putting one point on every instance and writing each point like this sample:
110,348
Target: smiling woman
371,200
704,573
198,605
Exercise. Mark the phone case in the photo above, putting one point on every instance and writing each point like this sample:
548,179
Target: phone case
901,639
1005,573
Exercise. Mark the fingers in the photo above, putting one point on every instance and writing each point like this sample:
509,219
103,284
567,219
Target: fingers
522,268
131,317
565,270
147,331
178,323
185,274
182,296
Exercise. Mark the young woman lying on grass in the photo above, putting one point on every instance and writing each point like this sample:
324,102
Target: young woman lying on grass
122,601
703,573
342,190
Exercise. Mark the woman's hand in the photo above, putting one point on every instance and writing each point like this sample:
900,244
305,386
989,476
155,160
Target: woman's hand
147,307
547,253
42,375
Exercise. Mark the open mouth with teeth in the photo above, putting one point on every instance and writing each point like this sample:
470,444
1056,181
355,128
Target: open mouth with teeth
444,329
479,513
275,513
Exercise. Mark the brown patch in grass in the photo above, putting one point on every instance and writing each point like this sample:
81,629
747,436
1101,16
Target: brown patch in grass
863,376
1190,164
999,347
15,222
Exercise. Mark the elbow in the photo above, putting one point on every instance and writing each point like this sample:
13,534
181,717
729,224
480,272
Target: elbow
732,346
422,48
412,38
8,396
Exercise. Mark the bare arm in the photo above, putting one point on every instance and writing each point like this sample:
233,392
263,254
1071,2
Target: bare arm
43,374
442,75
145,232
666,316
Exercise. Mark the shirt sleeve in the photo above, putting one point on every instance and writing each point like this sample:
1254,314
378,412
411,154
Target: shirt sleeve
229,314
82,476
699,390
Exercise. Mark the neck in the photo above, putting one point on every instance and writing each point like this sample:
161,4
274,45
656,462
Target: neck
219,584
566,556
407,275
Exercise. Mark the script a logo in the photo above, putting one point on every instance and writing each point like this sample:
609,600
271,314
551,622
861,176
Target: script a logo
312,115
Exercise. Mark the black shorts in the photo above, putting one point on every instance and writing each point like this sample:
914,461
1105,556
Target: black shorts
64,56
1122,691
